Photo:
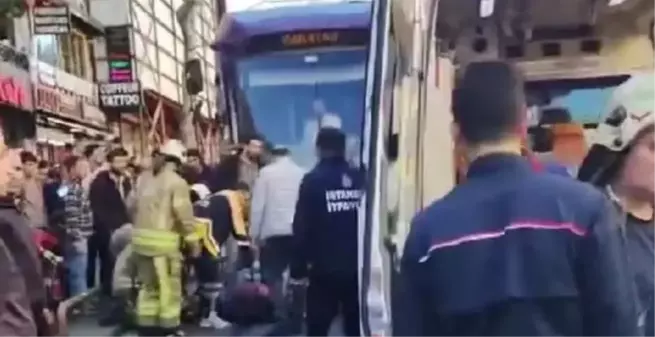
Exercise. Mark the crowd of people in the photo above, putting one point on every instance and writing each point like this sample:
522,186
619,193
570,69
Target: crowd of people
514,249
123,226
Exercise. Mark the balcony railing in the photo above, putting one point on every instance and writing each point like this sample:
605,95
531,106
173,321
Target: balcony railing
10,55
77,85
53,76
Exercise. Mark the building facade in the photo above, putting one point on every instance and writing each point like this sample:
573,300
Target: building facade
59,37
148,45
97,69
16,98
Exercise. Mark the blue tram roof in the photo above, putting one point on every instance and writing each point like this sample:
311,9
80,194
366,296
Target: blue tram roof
237,27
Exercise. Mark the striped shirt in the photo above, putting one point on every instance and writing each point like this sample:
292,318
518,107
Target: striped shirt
78,218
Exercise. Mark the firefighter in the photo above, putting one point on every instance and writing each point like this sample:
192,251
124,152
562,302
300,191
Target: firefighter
163,222
621,163
223,215
325,237
511,251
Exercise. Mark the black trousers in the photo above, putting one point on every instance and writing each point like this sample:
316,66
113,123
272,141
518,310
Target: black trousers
275,257
329,296
99,251
210,279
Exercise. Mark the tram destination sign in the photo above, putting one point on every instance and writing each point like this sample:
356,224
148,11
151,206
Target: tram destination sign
307,39
120,97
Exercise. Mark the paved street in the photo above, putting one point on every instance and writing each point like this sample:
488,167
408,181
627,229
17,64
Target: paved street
89,327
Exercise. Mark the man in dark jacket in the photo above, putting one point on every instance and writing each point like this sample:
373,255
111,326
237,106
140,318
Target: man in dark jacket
512,251
107,195
325,237
240,164
22,295
197,172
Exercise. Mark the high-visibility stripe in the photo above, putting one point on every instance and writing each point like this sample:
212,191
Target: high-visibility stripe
206,234
153,242
159,303
238,217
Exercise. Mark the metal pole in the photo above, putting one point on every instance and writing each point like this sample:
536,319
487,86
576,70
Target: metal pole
185,15
142,126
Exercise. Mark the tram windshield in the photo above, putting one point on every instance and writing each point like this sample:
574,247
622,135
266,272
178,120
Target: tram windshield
290,95
585,99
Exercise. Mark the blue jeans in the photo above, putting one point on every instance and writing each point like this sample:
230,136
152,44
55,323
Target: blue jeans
76,260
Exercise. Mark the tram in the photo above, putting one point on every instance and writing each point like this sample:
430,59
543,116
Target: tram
287,70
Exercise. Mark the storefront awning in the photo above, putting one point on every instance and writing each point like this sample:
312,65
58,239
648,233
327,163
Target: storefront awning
77,128
53,136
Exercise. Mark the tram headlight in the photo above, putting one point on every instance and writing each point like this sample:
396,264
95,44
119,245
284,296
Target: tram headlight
615,2
487,8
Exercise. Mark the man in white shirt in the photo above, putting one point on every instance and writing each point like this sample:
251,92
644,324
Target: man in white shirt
271,216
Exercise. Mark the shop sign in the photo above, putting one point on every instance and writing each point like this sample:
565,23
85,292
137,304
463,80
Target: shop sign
51,17
50,100
120,97
15,83
47,99
119,54
12,93
70,105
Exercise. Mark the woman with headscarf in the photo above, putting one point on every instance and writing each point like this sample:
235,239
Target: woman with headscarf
622,162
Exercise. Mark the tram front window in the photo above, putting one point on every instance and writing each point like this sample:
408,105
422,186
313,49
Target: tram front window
584,99
290,95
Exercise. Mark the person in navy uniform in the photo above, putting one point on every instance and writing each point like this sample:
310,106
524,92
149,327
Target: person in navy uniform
512,251
325,237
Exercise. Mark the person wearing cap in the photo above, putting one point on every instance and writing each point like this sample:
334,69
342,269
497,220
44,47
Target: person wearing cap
163,221
511,251
271,216
220,216
621,162
325,237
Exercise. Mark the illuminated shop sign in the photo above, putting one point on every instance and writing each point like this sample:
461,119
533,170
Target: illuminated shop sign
119,54
12,93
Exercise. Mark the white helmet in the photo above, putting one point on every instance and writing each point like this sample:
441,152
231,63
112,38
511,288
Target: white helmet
628,112
174,148
201,190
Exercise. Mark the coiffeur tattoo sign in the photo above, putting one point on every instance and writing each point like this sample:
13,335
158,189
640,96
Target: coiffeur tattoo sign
122,97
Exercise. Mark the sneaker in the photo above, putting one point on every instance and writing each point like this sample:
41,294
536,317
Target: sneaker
213,321
177,333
